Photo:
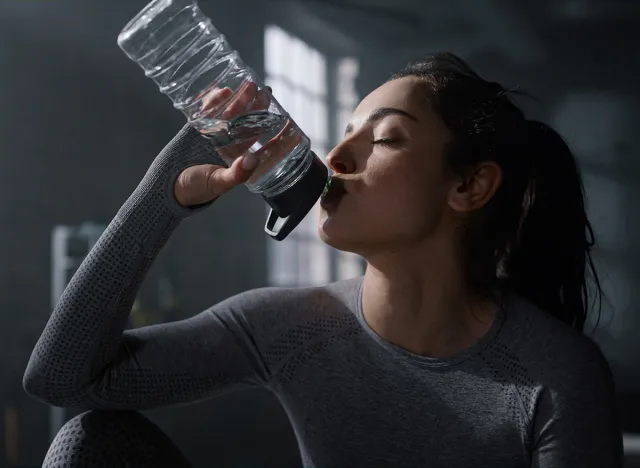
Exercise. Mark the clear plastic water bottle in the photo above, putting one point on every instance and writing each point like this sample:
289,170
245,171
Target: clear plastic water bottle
178,47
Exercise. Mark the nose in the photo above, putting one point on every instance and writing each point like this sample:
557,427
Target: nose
341,159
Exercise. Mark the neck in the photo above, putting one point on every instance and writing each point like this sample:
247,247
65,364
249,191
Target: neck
416,298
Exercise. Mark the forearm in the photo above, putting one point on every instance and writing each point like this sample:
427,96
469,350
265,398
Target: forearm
84,333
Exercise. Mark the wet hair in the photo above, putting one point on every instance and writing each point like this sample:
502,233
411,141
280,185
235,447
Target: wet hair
533,237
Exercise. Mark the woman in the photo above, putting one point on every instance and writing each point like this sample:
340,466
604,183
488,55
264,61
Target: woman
461,346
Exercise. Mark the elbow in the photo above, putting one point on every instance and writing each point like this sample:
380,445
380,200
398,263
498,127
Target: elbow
35,385
50,391
29,383
32,380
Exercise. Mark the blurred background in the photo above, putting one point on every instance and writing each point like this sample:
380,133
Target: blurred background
80,123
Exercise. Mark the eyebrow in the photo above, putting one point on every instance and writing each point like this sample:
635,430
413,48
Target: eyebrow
380,113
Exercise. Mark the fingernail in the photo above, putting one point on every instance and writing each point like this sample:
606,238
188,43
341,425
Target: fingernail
250,161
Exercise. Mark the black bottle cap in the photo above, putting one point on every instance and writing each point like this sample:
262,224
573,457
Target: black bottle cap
291,206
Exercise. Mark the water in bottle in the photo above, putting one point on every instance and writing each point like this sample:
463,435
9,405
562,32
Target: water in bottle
178,47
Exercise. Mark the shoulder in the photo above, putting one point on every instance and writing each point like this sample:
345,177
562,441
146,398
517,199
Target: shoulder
273,311
334,295
281,321
568,390
553,353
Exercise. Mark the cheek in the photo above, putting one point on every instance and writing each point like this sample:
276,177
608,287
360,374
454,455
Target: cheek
403,197
404,185
392,202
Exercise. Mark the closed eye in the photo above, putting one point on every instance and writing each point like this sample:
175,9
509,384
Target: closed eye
384,141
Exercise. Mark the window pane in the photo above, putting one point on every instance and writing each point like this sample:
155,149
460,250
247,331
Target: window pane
308,227
303,277
349,265
276,47
320,150
308,123
313,263
341,120
347,74
316,81
281,89
298,76
282,261
320,268
298,53
320,120
295,107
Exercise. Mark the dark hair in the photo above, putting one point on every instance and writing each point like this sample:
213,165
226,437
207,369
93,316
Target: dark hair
533,237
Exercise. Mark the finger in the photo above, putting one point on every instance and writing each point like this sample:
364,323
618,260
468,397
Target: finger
243,97
234,151
283,143
214,99
262,101
192,186
271,153
222,179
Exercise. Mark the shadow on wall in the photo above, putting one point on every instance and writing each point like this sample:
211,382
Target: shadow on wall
601,127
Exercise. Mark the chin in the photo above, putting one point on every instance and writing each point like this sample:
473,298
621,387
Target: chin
339,233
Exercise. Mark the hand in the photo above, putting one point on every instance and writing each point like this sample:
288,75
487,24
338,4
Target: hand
271,153
201,184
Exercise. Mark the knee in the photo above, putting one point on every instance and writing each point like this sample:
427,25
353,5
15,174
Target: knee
99,439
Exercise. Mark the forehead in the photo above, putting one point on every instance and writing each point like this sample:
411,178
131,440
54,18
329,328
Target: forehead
406,94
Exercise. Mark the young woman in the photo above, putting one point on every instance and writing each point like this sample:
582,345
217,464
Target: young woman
461,346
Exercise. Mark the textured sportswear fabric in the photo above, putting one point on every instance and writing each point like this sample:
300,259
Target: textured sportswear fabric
532,393
113,439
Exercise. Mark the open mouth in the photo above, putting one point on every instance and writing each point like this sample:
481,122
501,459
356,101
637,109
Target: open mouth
333,192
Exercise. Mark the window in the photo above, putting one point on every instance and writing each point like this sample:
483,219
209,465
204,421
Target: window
299,76
348,265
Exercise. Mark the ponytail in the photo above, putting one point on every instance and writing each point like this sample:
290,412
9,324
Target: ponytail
533,236
550,259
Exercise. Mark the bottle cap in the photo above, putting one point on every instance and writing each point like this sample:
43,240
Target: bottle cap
291,206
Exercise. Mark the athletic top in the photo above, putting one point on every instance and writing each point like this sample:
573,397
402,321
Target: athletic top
533,392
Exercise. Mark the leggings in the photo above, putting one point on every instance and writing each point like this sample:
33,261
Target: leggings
109,439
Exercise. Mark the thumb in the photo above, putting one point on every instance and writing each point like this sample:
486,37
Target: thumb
222,179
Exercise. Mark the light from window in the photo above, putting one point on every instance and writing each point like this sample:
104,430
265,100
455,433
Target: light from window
298,75
348,265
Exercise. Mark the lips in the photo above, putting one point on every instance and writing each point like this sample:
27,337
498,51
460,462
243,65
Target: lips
333,192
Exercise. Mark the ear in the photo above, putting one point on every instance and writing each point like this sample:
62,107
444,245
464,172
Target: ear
475,189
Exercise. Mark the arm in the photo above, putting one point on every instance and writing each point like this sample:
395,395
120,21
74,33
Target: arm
576,422
85,358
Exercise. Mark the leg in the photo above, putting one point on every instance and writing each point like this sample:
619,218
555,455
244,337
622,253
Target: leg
109,439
